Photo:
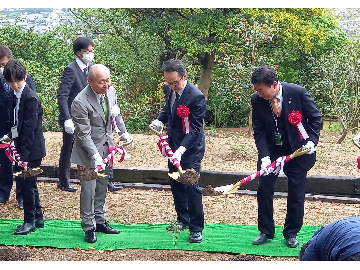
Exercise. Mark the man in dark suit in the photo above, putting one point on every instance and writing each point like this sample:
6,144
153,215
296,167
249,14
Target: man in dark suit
73,80
275,136
188,144
27,133
6,175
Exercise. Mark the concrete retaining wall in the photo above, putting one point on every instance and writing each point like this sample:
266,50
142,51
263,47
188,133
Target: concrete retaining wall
329,185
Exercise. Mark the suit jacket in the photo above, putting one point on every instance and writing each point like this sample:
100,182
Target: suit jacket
4,111
194,141
93,133
5,106
73,80
30,142
295,98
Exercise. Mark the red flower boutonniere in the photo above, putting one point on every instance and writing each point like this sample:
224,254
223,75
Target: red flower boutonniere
184,113
295,118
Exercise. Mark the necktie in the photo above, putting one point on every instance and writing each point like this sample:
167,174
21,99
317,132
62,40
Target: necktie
104,107
275,106
16,109
86,71
175,102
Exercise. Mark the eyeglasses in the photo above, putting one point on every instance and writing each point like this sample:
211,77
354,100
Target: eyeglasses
174,83
87,51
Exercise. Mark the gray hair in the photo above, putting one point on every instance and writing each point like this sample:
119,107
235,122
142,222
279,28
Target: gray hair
95,68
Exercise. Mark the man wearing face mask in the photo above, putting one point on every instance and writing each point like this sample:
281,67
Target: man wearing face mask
73,80
6,175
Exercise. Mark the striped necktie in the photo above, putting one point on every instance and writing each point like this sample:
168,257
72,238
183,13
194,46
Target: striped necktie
103,106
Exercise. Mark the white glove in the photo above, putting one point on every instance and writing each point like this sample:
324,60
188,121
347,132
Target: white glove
310,145
128,138
115,110
156,124
265,161
98,161
5,139
69,126
178,153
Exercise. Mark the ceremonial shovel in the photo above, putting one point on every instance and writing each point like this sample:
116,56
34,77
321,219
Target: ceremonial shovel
187,177
85,173
233,188
14,156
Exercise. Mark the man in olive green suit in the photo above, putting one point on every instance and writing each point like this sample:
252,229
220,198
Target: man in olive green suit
93,137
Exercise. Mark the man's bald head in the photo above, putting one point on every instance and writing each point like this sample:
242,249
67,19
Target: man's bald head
99,78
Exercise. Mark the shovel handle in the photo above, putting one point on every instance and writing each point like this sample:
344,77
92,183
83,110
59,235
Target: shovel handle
159,132
169,153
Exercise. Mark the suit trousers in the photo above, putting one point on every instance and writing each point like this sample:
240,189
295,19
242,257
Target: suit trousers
64,162
188,200
92,202
30,193
296,177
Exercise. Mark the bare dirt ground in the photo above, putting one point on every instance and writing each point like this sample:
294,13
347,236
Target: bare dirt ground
227,150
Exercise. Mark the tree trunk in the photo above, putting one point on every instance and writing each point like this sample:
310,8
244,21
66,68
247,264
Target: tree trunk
207,66
342,137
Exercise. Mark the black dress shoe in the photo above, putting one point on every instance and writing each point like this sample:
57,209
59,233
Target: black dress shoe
113,188
261,239
90,236
20,204
26,228
68,188
292,242
105,228
39,222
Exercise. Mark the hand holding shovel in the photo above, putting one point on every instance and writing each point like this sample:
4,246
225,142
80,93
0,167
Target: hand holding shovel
189,176
85,173
14,156
276,165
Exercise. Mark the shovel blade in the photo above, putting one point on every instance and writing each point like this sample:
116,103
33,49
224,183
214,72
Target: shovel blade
29,172
174,175
228,189
85,173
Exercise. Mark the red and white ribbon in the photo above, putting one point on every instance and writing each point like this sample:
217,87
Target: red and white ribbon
110,157
277,166
13,155
295,118
165,149
184,113
162,141
113,121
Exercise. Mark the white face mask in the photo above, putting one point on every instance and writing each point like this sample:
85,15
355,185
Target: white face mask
1,72
88,57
